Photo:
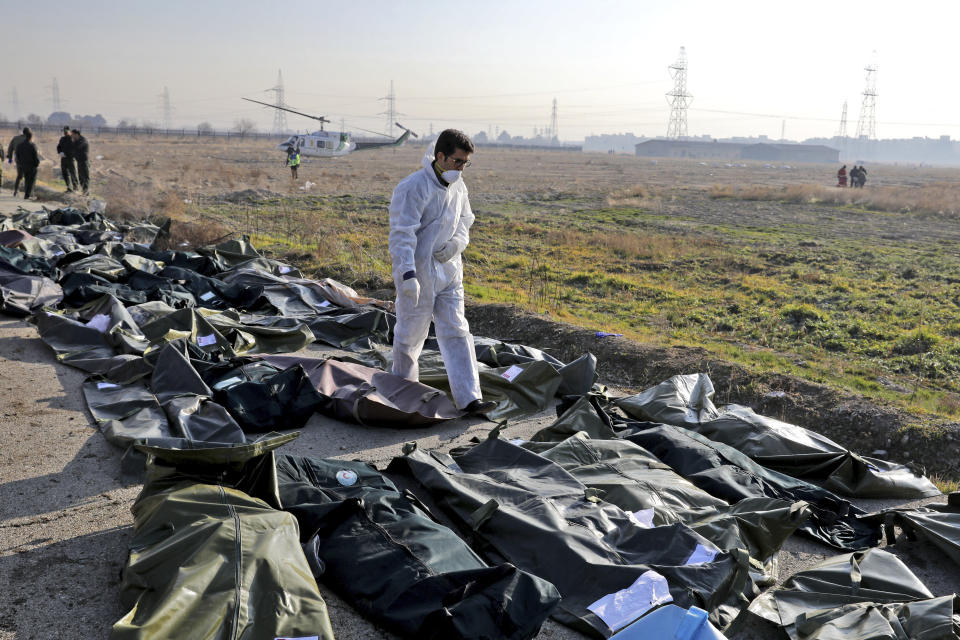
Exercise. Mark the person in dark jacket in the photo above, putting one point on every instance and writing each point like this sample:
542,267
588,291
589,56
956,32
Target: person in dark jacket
81,152
11,151
68,167
28,159
854,176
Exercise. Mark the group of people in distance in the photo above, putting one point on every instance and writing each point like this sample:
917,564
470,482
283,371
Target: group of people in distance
858,176
74,151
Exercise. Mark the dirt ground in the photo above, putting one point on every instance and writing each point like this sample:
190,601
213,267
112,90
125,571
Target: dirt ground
65,517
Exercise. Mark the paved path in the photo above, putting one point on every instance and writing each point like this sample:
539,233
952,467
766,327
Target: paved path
9,204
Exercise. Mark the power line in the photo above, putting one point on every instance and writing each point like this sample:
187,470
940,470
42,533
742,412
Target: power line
678,99
391,112
167,109
867,124
279,116
554,132
55,95
842,132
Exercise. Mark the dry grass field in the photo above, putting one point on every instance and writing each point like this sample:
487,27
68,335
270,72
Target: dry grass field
769,266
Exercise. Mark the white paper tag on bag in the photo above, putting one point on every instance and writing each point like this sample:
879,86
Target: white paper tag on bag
100,322
206,341
285,269
106,385
207,296
701,555
300,638
228,382
511,373
623,607
325,303
642,518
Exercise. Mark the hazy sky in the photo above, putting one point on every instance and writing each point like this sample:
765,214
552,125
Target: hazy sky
491,64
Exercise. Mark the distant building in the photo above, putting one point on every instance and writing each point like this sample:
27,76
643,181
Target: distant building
736,151
790,153
688,149
615,142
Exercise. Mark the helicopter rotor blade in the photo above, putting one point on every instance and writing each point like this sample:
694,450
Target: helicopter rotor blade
405,129
305,115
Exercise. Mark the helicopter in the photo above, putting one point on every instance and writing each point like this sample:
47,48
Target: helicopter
329,144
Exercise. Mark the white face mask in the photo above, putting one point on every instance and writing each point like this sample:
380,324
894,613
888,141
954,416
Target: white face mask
450,176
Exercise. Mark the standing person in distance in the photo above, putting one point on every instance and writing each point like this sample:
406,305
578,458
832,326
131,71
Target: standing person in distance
293,161
842,176
28,159
11,151
430,219
854,176
68,166
81,152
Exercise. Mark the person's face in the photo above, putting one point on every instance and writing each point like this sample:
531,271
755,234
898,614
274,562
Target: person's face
458,160
74,135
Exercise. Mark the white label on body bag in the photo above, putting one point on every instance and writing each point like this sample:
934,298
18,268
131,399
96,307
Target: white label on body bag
701,555
206,341
207,296
623,607
228,382
100,322
511,373
642,518
300,638
106,385
285,269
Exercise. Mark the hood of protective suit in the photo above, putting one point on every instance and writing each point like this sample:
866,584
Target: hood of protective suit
427,161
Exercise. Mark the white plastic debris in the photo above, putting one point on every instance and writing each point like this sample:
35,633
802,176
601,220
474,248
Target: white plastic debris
100,322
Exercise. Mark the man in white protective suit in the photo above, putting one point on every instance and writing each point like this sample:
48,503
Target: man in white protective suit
430,221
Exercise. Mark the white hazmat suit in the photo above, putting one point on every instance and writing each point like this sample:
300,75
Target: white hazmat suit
427,218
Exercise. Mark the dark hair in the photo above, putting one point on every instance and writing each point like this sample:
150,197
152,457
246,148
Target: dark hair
66,129
28,134
76,131
450,140
26,130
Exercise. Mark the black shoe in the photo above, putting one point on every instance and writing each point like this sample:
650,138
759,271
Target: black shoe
479,407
